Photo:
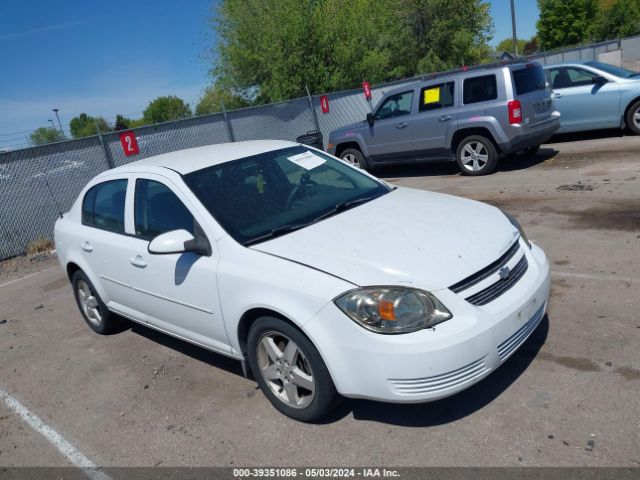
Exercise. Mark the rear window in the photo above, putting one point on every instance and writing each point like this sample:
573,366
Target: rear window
435,97
480,89
529,79
103,206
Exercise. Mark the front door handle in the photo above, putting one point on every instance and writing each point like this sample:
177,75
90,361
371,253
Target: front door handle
137,261
445,118
557,95
402,125
86,246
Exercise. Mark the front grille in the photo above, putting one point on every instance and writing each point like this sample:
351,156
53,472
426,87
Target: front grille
511,344
487,271
437,383
494,291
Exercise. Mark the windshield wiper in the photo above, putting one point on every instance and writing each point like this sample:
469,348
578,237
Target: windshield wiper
342,206
278,231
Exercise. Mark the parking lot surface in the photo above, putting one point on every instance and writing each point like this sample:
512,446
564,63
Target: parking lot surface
569,396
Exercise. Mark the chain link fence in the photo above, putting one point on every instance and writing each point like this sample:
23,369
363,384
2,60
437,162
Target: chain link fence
38,183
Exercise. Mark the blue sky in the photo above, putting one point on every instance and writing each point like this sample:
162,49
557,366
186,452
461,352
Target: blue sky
105,58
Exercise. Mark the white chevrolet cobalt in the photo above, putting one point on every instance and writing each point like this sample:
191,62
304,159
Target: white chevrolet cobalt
321,279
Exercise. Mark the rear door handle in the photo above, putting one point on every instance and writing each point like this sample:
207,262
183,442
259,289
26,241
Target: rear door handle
137,261
445,118
402,125
86,246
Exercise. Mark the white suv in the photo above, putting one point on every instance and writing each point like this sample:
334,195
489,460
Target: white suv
320,278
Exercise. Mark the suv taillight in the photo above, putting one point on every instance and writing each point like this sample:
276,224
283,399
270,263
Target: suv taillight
515,111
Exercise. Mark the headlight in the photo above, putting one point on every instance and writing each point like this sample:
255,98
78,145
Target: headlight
392,309
516,224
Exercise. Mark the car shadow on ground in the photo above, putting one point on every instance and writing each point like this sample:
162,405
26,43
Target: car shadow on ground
507,163
452,408
590,135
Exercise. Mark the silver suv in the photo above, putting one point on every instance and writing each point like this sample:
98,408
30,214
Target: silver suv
470,116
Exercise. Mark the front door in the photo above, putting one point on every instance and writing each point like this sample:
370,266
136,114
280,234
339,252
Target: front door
583,104
390,136
176,292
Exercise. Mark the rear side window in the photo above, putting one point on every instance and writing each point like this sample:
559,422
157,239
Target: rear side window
435,97
529,79
480,89
103,206
158,210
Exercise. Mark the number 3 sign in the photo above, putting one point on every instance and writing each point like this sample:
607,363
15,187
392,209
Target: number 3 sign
129,143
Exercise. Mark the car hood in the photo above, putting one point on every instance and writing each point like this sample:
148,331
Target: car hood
407,237
347,128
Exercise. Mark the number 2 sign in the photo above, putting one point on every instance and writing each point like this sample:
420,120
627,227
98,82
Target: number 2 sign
129,143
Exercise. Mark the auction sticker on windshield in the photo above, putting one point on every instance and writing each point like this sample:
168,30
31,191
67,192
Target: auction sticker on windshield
306,160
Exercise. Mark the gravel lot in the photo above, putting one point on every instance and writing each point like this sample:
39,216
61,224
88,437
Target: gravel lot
569,396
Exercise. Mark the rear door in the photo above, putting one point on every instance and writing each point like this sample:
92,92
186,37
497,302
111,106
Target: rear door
529,85
583,104
436,118
390,137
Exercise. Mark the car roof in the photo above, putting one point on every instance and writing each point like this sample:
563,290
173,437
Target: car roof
569,63
192,159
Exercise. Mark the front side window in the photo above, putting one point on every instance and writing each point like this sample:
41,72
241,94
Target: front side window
568,77
103,206
274,193
480,89
436,97
158,210
395,105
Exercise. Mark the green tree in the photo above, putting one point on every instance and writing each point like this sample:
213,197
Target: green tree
276,47
506,45
618,19
165,109
214,96
44,135
122,123
566,22
85,125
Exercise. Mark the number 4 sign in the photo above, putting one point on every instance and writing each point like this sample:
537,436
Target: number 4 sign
129,143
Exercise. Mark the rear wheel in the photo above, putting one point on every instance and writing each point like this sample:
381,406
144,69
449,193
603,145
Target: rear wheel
91,306
354,157
632,119
476,155
289,370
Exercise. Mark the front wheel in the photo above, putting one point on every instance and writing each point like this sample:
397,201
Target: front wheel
632,119
476,155
354,157
289,370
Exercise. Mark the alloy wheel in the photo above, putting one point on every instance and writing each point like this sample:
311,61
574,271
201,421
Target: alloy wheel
285,370
474,156
352,159
636,118
89,303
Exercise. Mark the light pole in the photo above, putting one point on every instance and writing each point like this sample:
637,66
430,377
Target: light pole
55,110
513,27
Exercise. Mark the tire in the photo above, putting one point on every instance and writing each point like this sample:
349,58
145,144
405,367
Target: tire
354,157
632,118
300,385
486,158
91,306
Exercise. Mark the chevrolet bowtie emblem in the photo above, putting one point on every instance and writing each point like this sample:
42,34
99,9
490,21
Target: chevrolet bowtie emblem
504,273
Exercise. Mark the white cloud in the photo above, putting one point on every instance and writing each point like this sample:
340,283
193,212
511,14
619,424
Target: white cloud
45,29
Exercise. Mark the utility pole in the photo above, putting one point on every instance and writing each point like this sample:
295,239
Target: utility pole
55,110
513,28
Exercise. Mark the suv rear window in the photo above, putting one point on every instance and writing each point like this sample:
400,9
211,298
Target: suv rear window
435,97
480,89
529,79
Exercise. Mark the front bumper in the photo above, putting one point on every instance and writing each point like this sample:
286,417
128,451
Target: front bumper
433,363
531,136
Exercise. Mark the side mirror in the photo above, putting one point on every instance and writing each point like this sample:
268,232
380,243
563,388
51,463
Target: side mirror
180,241
370,119
599,80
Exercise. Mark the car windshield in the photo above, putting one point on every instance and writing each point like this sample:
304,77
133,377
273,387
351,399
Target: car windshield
271,194
613,70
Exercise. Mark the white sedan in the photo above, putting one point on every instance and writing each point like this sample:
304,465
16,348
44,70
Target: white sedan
321,279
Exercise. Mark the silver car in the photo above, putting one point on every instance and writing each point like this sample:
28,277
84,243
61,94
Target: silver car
595,95
470,116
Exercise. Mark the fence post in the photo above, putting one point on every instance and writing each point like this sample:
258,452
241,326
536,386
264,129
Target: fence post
104,147
313,110
227,122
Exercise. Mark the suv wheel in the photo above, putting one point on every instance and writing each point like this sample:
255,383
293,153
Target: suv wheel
354,157
289,370
632,119
476,155
93,309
